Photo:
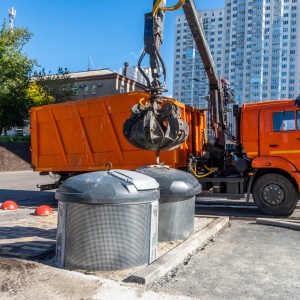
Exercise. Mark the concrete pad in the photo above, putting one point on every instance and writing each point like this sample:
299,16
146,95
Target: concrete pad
177,255
286,223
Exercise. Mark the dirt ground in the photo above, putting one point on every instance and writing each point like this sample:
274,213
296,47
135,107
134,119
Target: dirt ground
15,156
30,280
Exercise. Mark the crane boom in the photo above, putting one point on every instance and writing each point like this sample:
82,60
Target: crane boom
219,94
159,126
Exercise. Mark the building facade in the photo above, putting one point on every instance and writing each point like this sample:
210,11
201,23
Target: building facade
91,84
255,46
135,74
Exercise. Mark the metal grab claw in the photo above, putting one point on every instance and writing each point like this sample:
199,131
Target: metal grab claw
155,127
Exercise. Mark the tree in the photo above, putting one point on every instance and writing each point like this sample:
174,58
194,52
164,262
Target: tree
38,95
15,68
59,86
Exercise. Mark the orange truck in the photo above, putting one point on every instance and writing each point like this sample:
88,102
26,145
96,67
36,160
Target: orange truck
86,135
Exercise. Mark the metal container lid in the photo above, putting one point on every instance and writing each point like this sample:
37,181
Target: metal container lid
109,187
172,181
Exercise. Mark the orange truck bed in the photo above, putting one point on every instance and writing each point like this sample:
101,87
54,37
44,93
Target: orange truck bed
85,135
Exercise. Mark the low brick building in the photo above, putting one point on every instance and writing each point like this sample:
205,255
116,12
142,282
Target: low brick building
97,83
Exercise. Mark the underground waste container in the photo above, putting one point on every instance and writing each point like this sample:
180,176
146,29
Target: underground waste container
107,221
176,202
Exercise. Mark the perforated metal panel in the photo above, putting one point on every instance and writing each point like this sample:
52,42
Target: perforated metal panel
107,237
176,218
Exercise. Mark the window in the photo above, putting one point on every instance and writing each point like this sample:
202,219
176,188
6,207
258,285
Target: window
86,89
298,119
75,91
94,89
284,121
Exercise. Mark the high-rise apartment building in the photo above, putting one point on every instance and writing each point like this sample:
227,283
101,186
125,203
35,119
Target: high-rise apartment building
255,46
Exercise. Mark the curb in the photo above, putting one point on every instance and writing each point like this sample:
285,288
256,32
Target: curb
176,256
289,224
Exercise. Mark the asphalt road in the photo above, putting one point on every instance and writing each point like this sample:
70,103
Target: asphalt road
21,187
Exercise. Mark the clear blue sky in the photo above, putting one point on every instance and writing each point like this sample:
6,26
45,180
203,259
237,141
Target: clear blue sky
67,32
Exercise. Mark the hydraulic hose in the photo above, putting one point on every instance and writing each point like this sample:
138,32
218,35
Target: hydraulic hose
204,175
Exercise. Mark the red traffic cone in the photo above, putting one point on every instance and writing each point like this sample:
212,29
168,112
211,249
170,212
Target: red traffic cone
43,210
9,205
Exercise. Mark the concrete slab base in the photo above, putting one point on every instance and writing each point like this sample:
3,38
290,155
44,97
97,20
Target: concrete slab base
177,255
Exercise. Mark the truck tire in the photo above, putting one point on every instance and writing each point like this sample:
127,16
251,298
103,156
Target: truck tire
274,194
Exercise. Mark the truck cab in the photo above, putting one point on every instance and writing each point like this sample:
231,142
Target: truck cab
270,135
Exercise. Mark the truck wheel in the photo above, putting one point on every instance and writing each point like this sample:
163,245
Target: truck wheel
275,195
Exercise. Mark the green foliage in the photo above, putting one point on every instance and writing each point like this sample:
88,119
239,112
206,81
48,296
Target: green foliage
59,86
15,68
19,139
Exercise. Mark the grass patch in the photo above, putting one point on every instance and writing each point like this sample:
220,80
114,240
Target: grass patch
18,139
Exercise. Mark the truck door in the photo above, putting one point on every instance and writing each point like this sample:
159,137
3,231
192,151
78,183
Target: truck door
284,137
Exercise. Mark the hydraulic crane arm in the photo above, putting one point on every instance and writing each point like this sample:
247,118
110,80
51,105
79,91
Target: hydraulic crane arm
219,90
160,127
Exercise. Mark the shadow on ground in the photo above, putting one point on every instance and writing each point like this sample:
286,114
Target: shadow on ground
233,209
29,198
